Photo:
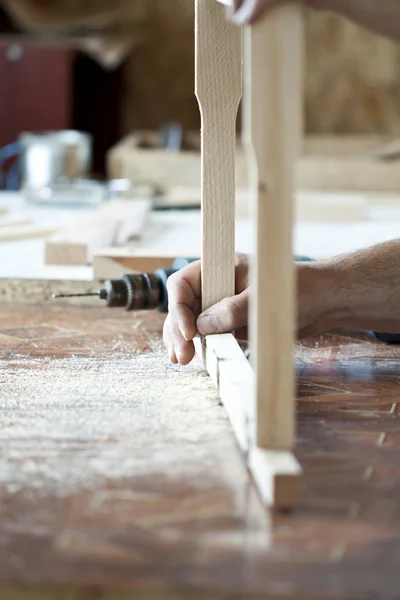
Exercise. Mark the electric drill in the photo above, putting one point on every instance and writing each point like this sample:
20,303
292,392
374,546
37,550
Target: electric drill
144,291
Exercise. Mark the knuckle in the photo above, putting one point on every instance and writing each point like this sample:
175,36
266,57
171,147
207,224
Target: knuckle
232,309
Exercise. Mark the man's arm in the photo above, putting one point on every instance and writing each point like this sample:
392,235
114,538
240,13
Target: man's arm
381,16
360,290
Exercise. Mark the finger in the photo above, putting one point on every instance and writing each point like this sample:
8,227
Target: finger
179,350
184,289
225,316
241,272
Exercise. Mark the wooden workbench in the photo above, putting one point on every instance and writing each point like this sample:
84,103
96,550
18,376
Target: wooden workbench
120,477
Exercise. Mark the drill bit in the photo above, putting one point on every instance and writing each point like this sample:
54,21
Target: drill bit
102,294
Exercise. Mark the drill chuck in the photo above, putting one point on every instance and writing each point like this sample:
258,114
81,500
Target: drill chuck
144,291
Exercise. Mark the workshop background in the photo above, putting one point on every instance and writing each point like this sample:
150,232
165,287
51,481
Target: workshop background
111,63
120,473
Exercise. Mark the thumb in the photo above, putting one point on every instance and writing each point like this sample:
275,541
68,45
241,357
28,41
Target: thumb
225,316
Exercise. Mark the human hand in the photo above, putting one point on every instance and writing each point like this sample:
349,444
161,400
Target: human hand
318,296
184,320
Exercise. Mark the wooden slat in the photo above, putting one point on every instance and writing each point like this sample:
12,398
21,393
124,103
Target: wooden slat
272,119
276,473
25,232
218,90
113,223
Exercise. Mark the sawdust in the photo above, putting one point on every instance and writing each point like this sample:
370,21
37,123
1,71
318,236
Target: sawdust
80,422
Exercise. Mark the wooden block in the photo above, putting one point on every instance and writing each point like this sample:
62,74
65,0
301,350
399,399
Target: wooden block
272,124
112,263
75,245
277,475
218,59
113,223
24,232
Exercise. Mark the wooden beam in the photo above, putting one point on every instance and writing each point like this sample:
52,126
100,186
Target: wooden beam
276,473
260,404
218,90
272,125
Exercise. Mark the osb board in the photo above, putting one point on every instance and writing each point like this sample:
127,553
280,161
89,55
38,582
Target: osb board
120,471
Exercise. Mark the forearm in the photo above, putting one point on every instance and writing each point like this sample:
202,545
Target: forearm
360,290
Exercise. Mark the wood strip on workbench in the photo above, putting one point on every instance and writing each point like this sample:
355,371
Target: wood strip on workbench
119,470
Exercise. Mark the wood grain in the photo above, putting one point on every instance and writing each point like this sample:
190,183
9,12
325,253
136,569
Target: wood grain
218,90
272,125
120,476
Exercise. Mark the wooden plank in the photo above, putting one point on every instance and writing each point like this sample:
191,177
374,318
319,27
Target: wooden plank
272,123
277,474
24,232
218,90
112,263
113,223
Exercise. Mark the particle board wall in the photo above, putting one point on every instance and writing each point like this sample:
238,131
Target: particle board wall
352,76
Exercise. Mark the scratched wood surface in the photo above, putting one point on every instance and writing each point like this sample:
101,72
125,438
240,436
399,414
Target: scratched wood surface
120,471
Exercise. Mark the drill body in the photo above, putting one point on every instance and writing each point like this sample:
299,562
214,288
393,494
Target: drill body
144,291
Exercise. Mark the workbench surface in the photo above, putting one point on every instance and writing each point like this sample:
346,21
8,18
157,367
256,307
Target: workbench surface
120,471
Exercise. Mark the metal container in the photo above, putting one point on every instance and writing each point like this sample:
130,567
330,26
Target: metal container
53,164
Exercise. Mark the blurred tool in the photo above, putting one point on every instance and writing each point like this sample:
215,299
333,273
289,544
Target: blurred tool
144,291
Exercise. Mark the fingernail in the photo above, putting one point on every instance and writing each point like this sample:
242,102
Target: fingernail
207,325
184,333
